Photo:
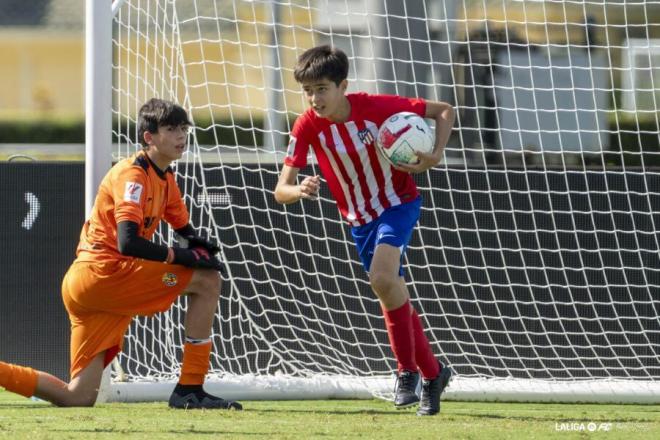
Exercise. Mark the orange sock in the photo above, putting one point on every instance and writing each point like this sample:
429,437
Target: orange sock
17,379
195,363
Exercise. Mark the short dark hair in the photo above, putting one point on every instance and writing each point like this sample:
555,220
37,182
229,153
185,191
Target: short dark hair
156,113
322,62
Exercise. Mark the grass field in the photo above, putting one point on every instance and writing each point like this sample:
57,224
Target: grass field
331,419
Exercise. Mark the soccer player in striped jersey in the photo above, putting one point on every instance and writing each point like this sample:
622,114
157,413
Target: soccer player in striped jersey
119,273
380,202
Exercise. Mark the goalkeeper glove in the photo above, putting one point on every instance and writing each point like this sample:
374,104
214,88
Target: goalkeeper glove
196,241
197,258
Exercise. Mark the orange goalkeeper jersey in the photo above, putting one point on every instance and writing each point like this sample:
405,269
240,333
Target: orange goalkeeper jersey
133,190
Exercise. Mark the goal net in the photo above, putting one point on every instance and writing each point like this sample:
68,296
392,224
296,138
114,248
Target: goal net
535,267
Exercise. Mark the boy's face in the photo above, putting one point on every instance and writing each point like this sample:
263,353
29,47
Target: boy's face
326,98
169,143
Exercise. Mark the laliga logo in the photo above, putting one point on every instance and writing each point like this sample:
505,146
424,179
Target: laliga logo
579,426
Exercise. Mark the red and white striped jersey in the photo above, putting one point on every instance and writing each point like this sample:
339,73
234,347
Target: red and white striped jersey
362,182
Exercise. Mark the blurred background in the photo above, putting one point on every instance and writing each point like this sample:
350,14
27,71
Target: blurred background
581,46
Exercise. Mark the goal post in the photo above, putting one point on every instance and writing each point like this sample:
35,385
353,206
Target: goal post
98,96
535,265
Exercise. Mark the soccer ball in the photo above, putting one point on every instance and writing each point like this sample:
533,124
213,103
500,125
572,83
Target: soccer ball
402,135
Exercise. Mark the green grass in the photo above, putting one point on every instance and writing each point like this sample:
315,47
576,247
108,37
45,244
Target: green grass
330,419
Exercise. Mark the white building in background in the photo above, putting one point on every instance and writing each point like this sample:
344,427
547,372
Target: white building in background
640,90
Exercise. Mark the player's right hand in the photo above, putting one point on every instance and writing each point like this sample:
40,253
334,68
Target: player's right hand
198,258
309,187
197,241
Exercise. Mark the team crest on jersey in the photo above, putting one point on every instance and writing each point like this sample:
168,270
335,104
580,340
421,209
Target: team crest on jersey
170,279
366,137
132,192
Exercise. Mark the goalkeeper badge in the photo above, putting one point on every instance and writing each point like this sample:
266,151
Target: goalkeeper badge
169,279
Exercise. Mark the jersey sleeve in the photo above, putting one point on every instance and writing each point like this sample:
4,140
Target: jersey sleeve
298,148
129,193
391,104
176,213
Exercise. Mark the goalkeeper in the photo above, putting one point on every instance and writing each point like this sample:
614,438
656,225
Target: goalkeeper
119,273
379,201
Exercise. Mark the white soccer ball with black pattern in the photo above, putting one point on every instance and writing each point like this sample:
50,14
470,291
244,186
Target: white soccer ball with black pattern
402,135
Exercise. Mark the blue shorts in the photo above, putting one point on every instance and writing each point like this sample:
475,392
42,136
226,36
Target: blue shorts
394,227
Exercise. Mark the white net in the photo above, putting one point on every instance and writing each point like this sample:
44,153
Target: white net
537,254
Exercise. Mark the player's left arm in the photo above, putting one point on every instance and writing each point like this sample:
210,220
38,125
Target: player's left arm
444,115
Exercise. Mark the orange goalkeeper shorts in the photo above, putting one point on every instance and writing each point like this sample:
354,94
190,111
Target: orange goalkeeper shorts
103,297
